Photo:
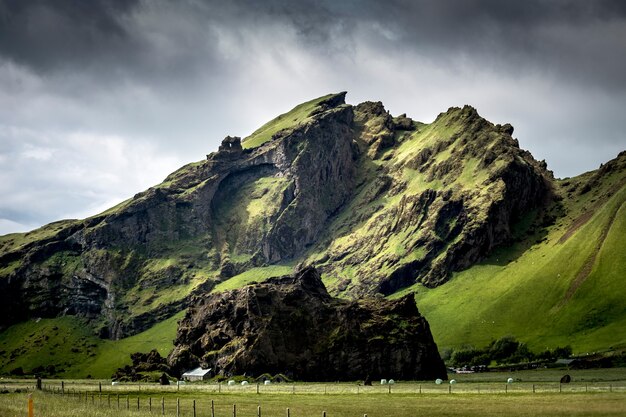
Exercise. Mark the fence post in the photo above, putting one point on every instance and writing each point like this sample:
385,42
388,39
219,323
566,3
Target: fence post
389,389
63,387
219,387
137,403
150,404
293,389
287,412
420,388
100,386
533,388
234,410
31,407
450,389
212,409
560,387
506,389
323,413
258,411
194,408
162,406
177,407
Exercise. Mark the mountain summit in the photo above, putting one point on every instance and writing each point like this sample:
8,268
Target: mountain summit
380,205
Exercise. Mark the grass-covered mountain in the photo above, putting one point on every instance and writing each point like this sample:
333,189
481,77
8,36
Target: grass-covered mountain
492,244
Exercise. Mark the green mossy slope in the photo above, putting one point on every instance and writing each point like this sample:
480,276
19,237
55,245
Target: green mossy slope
296,116
563,285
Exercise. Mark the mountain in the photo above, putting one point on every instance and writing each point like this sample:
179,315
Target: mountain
453,210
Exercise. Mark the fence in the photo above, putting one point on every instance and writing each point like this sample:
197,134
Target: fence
316,388
190,401
338,388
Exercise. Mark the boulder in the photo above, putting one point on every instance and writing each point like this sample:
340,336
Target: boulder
292,325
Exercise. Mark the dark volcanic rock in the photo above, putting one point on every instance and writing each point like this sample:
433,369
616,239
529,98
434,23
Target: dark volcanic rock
292,325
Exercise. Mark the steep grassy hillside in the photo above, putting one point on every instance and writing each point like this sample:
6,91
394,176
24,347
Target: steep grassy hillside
69,346
562,285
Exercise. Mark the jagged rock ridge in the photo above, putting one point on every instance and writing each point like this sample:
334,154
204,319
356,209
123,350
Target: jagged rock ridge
291,325
375,202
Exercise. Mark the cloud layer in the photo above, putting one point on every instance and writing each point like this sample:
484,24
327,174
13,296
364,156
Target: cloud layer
101,99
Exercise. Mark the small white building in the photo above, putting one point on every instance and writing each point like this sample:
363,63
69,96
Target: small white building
197,374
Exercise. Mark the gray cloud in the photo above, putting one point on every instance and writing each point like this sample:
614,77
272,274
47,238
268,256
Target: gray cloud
155,83
49,35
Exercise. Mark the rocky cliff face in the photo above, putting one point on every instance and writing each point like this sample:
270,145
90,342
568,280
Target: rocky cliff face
291,325
193,223
375,202
433,199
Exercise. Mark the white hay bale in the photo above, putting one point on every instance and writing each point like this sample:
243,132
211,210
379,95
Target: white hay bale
231,382
391,382
244,382
509,381
383,381
438,381
267,382
453,381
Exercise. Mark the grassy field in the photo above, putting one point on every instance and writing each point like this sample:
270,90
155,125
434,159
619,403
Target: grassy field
340,405
595,392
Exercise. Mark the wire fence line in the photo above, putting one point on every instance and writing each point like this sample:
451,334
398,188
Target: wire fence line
72,387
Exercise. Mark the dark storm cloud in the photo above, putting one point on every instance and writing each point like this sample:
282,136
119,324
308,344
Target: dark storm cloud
96,92
109,41
48,35
583,40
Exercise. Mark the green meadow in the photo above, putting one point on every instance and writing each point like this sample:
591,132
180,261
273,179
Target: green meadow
465,399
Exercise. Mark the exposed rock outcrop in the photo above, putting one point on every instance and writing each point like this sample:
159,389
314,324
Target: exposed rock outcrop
453,190
292,325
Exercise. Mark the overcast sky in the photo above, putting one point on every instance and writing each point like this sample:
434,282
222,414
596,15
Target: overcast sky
102,99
